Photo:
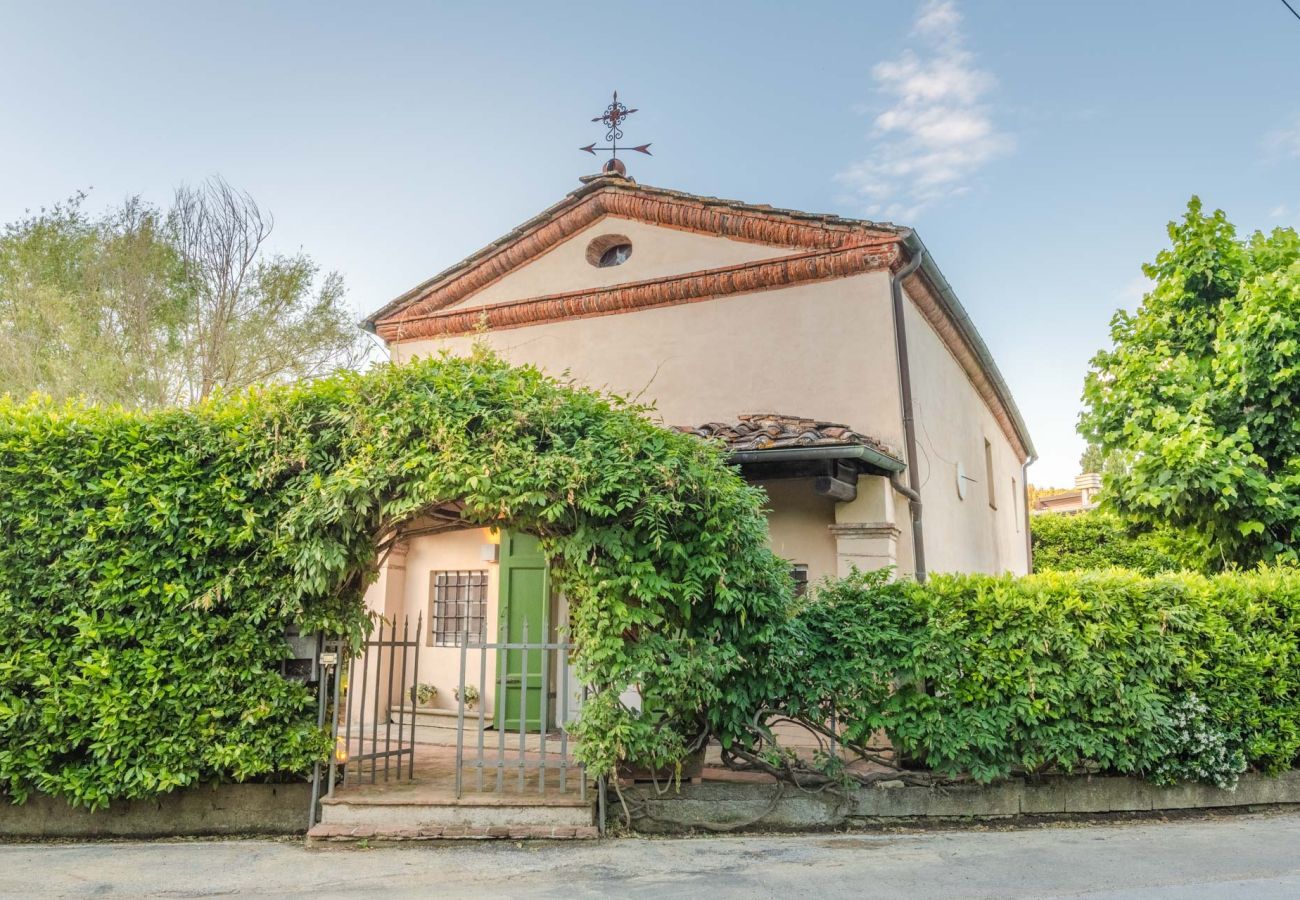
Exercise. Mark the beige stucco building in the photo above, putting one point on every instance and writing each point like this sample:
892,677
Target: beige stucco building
829,354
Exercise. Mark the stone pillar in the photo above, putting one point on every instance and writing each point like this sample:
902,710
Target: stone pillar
394,584
866,536
387,596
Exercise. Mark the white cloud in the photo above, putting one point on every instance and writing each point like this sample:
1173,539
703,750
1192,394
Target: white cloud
936,130
1281,211
1284,142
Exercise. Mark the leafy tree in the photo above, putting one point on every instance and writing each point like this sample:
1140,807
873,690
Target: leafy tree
89,306
1195,398
1092,460
1098,461
253,317
151,308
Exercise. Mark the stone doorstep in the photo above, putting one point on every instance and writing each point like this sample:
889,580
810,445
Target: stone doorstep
470,799
421,817
420,805
337,834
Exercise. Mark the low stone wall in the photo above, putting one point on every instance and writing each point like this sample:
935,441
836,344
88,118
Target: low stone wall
738,806
194,812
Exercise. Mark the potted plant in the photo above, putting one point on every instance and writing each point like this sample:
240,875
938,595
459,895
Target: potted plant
471,696
423,694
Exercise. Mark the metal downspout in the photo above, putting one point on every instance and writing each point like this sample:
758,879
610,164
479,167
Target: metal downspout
913,493
1024,487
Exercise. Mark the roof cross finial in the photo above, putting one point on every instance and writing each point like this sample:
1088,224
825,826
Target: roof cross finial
613,117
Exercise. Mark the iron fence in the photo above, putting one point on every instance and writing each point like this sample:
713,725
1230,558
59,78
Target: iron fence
504,742
389,665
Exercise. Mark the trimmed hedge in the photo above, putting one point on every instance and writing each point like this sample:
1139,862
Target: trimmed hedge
150,564
1176,677
1097,539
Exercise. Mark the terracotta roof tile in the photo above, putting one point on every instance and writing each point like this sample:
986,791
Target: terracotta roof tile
772,431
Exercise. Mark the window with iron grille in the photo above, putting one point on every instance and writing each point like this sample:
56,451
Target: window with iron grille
459,608
800,575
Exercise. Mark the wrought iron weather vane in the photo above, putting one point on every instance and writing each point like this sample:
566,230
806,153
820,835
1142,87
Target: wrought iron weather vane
613,117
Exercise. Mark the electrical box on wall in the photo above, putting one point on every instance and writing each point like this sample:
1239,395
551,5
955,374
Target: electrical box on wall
303,654
490,552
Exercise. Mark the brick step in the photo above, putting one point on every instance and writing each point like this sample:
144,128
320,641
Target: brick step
415,806
339,834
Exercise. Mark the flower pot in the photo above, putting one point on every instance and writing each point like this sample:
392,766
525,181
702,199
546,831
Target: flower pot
414,694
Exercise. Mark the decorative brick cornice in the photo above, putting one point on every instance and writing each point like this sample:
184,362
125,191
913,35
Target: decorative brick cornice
865,530
654,206
743,278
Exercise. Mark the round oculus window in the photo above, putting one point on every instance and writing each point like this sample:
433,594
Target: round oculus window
615,256
609,250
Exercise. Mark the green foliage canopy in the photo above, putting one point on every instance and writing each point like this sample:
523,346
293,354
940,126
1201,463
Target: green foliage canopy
150,563
149,307
1097,671
1098,539
1197,396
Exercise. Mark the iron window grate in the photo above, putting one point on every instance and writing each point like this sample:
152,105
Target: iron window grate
459,608
799,573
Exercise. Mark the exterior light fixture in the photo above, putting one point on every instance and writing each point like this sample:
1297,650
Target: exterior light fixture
491,551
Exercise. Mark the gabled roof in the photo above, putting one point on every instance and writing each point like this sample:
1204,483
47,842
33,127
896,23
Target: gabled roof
606,195
822,247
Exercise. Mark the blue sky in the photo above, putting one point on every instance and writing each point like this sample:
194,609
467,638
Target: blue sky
1038,147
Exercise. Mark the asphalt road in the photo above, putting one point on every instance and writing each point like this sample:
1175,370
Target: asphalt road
1255,856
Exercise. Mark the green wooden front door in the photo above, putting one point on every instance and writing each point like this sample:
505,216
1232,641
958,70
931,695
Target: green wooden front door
525,598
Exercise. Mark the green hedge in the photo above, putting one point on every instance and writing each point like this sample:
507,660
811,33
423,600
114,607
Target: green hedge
1176,677
150,563
1097,539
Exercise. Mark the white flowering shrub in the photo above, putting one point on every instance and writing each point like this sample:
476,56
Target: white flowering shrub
1198,748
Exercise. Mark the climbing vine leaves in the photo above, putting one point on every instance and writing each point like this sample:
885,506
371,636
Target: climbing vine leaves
150,564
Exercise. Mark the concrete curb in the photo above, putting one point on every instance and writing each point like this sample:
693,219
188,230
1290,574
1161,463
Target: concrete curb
746,805
225,809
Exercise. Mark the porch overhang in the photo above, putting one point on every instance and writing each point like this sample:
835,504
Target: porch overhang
771,446
834,470
868,459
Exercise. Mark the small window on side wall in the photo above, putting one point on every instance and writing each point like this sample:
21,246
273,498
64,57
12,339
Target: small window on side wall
458,608
799,572
988,473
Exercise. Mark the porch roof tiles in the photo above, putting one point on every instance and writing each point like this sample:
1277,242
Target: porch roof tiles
772,431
